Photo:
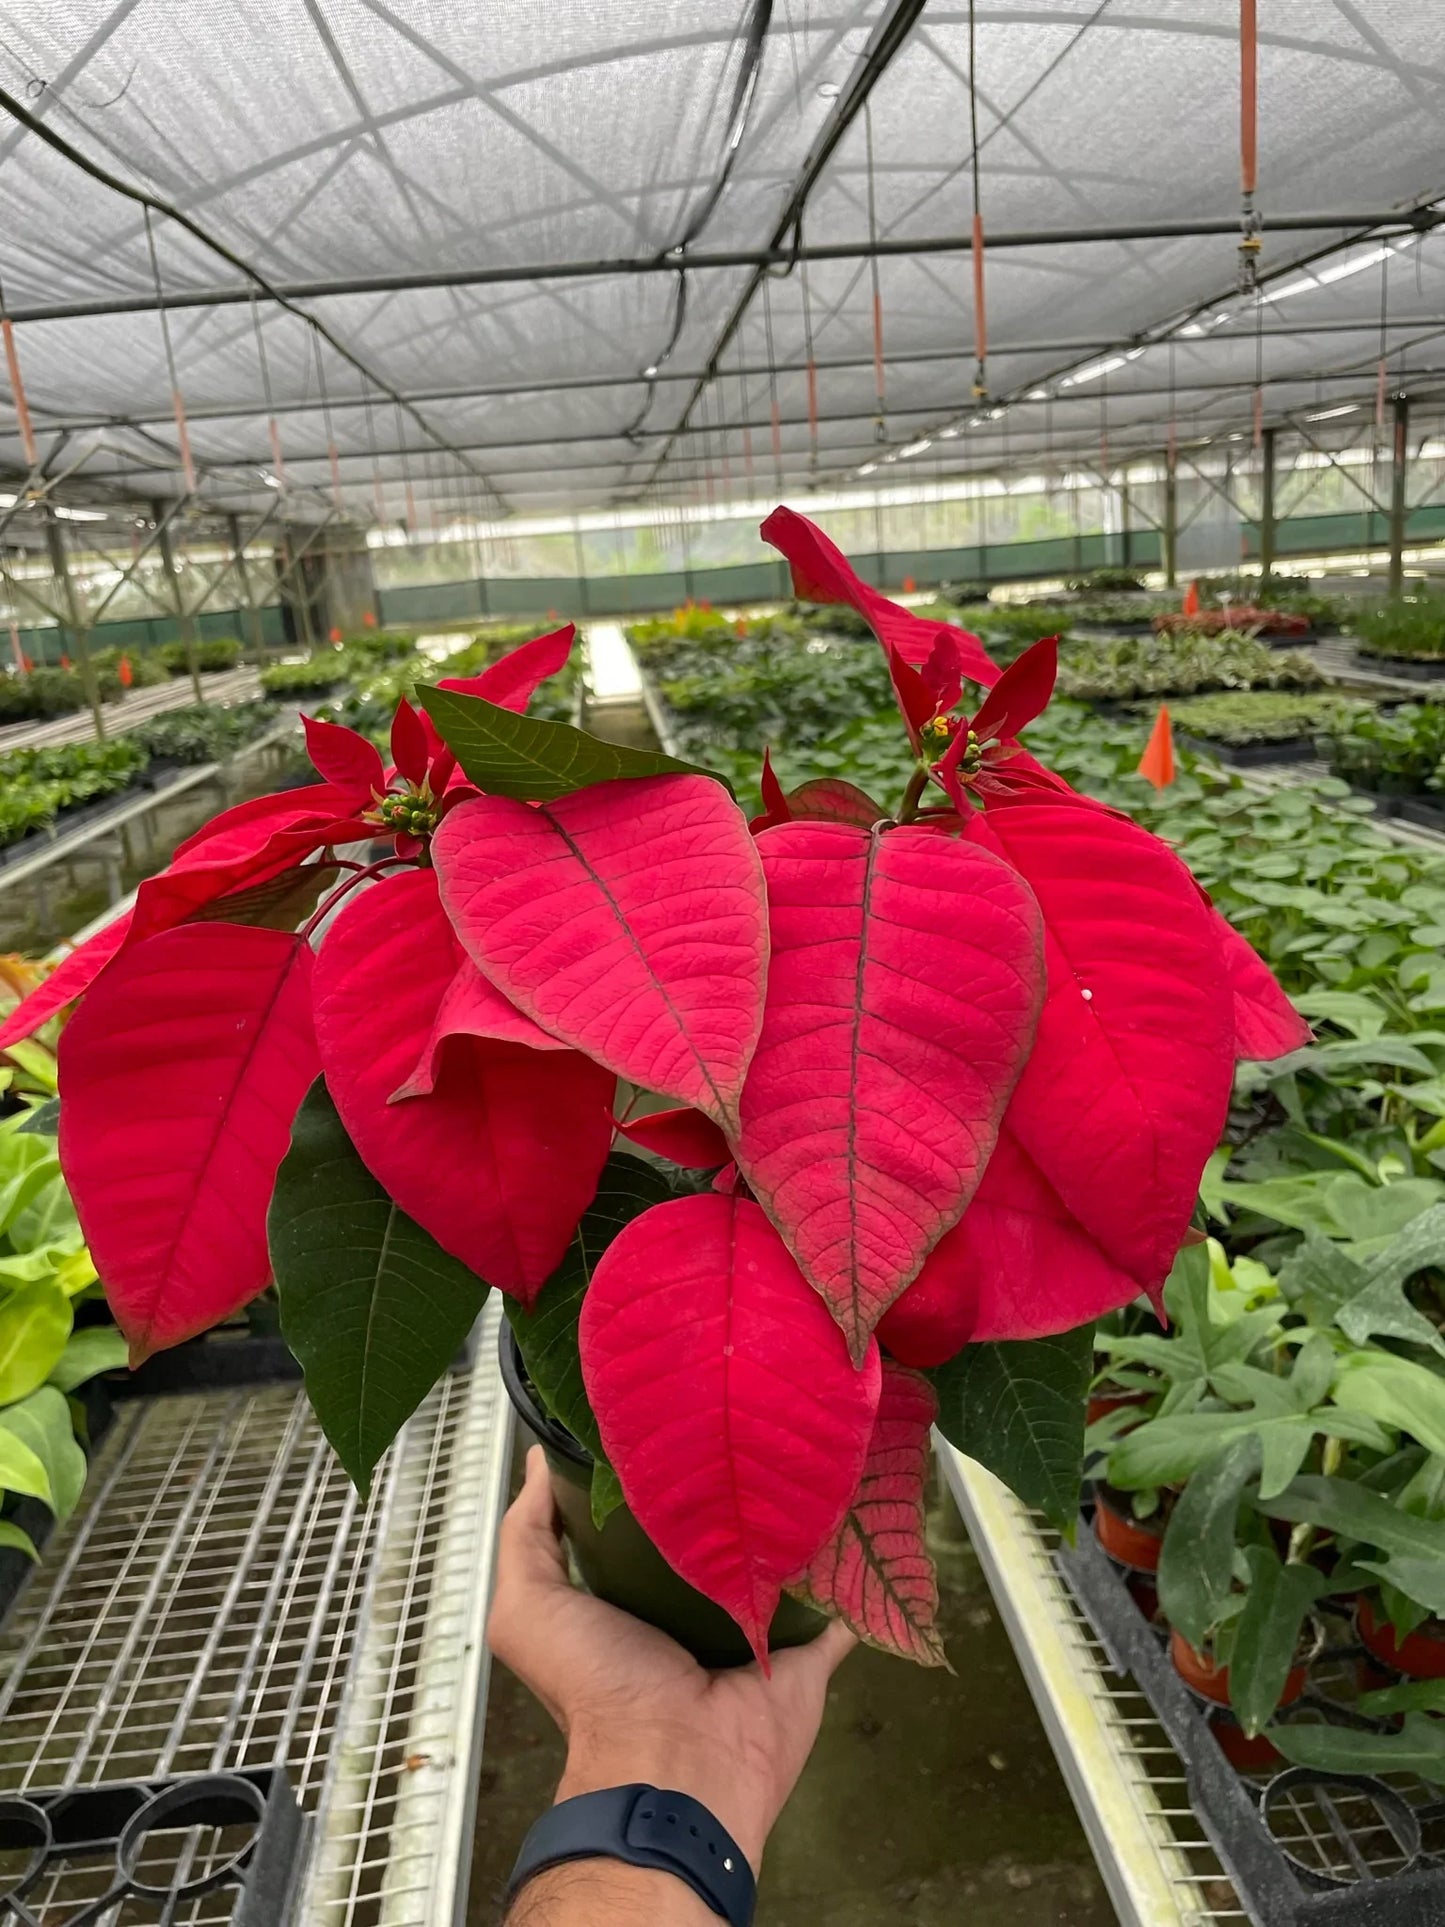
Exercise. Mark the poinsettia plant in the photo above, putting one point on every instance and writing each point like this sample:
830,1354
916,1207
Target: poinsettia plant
943,1074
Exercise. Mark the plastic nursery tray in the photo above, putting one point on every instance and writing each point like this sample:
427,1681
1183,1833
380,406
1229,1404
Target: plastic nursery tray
1295,749
218,1848
1304,1849
1416,668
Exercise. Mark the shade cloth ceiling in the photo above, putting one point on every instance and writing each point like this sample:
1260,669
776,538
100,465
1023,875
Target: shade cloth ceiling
482,206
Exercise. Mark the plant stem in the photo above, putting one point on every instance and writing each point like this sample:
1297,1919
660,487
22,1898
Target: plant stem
917,783
329,902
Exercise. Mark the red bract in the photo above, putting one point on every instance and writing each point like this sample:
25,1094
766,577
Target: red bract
956,1062
180,1076
725,1399
626,919
500,1157
875,1572
902,996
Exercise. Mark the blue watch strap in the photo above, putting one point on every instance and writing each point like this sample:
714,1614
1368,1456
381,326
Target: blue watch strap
644,1826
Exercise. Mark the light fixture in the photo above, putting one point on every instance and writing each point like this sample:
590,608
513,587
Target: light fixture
1095,370
869,468
916,448
1329,414
1037,394
828,90
82,515
1314,278
649,371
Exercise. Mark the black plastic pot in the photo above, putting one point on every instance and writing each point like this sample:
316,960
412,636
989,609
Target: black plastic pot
620,1563
1417,668
1292,749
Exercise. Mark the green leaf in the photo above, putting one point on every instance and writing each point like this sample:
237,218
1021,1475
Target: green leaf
1195,1560
43,1121
21,1471
1419,1747
547,1335
1352,1510
371,1305
1267,1633
35,1322
1410,1696
1380,1306
1398,1392
1017,1406
519,756
42,1422
607,1494
16,1540
1422,1580
95,1349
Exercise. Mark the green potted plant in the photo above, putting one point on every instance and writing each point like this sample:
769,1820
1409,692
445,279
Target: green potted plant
880,1029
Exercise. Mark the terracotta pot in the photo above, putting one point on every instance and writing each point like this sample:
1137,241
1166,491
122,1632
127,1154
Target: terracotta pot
1245,1755
1419,1655
1132,1542
620,1563
1104,1401
1210,1680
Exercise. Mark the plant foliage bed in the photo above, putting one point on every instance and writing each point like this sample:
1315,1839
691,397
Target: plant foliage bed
1098,671
42,789
1256,725
1410,630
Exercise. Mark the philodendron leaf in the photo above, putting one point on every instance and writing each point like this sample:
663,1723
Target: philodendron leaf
547,1334
21,1470
95,1349
1346,1507
1018,1408
1418,1747
371,1305
15,1540
1195,1575
875,1573
42,1422
43,1121
35,1322
1422,1580
505,754
1268,1633
1410,1696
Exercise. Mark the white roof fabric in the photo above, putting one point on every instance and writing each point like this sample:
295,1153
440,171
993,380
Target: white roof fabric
336,141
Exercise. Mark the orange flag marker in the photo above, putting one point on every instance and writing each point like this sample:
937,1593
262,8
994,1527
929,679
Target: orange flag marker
1191,600
125,672
1157,762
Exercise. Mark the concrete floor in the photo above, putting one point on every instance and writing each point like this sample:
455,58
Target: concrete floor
930,1801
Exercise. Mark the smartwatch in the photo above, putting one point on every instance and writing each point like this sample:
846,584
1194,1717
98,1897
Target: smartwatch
644,1826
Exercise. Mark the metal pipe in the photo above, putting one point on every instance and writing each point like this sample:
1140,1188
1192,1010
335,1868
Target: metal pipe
183,615
759,259
835,364
1399,510
60,569
243,576
1170,531
1267,520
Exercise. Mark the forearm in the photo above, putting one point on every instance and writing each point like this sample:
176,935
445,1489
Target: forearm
605,1893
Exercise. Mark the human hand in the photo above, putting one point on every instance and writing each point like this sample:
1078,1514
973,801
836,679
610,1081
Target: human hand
632,1704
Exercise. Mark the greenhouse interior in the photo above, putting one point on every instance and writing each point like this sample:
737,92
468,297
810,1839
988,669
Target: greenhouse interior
841,1319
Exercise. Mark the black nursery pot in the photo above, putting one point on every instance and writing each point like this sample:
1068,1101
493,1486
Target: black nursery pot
620,1563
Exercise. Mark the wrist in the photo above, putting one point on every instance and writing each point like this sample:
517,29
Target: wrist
608,1890
674,1763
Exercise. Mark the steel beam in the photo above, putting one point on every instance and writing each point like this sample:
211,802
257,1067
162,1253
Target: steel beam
1399,506
70,602
1391,221
1267,518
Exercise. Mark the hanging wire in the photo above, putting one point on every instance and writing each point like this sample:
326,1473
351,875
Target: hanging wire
774,417
1249,224
811,363
407,490
880,420
1384,334
1259,374
980,311
277,460
332,455
744,415
17,388
178,406
378,494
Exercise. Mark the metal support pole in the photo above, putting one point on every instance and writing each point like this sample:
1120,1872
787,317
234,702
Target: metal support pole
1267,520
253,615
1170,531
183,617
1126,546
60,569
1398,509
